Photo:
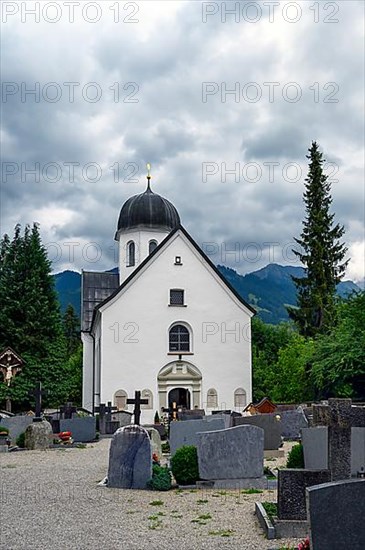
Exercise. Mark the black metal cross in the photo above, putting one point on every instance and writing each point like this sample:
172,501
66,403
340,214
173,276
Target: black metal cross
68,410
137,402
38,393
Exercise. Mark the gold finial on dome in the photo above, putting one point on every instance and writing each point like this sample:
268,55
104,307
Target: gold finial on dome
148,171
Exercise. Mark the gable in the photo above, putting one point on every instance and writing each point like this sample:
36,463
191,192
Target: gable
162,269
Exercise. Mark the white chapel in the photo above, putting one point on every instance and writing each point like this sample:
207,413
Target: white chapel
168,324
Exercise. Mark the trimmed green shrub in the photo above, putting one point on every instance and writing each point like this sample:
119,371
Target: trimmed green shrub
157,418
161,479
20,440
165,446
184,465
4,430
296,457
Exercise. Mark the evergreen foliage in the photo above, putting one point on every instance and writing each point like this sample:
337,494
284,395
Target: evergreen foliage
296,457
71,329
321,253
184,465
338,364
161,478
30,320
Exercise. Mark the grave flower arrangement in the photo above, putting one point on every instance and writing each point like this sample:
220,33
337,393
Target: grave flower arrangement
304,545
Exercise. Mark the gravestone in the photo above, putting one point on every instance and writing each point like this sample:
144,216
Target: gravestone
292,483
130,458
194,414
292,422
16,425
124,418
232,454
269,423
106,425
339,416
38,436
336,513
315,448
155,441
185,433
83,429
357,450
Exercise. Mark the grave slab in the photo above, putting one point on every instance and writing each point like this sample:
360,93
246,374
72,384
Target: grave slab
269,423
235,453
130,458
82,429
292,484
336,514
185,433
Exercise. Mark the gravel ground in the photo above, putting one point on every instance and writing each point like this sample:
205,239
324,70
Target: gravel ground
51,501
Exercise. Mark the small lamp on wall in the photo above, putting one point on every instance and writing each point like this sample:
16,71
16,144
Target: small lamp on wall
178,260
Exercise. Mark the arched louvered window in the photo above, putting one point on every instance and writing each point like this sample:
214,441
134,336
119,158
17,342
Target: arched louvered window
152,245
131,254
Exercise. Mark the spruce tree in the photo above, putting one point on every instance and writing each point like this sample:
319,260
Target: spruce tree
71,329
321,253
30,319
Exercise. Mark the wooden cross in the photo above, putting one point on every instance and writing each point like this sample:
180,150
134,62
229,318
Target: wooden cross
137,402
68,410
38,393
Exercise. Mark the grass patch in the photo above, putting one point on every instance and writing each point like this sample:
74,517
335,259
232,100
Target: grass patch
156,516
202,501
205,516
251,491
156,503
222,533
9,466
271,508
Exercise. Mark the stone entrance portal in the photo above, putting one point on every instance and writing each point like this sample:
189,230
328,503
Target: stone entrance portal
179,382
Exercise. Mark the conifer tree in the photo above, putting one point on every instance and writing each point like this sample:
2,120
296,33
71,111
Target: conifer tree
321,253
71,329
30,319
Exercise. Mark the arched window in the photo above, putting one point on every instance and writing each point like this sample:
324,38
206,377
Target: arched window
240,398
120,400
179,338
152,245
212,398
131,254
147,394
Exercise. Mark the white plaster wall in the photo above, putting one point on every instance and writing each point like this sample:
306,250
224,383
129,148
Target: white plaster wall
141,240
134,328
87,371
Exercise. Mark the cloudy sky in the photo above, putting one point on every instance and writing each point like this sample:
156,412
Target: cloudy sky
223,99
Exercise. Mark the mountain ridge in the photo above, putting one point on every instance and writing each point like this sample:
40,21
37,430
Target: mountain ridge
268,290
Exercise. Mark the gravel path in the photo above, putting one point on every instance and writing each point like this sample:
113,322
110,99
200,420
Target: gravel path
51,501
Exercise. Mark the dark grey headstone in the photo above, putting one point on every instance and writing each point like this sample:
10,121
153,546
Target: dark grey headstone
83,429
315,448
235,453
194,414
292,422
337,415
292,484
336,513
185,433
130,458
269,423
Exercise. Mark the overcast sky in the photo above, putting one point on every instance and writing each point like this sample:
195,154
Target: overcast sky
128,83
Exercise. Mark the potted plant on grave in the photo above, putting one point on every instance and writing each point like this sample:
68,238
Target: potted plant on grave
4,436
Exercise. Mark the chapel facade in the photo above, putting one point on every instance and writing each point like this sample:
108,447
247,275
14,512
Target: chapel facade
167,324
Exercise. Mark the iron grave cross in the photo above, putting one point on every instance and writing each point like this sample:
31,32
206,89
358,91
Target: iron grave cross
137,402
38,393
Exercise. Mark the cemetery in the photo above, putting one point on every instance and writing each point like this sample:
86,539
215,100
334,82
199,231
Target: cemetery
218,460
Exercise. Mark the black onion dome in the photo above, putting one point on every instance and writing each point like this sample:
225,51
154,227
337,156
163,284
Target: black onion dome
148,210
